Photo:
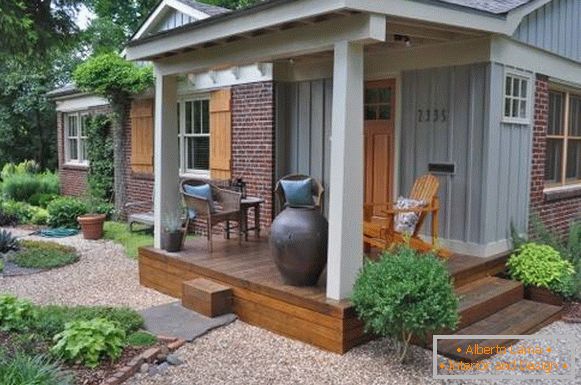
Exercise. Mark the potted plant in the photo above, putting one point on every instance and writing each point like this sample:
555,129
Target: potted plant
92,222
173,233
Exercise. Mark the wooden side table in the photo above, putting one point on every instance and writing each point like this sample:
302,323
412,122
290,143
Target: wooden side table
245,205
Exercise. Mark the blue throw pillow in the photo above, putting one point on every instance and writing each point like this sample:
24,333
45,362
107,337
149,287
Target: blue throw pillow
201,191
298,192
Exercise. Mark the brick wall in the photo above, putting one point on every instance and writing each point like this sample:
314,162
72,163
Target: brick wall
557,209
253,142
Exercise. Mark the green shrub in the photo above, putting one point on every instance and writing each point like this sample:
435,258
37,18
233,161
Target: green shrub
8,242
1,265
89,341
42,199
21,210
40,216
7,218
51,319
44,255
23,369
26,167
63,212
141,338
15,314
21,187
405,293
542,266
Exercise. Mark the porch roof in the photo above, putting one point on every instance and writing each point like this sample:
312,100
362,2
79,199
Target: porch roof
500,17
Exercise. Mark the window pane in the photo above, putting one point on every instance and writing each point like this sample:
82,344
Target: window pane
515,108
189,147
508,90
523,109
573,160
83,155
179,120
72,125
202,153
73,150
553,160
188,123
507,105
556,113
197,117
516,87
574,115
523,88
205,117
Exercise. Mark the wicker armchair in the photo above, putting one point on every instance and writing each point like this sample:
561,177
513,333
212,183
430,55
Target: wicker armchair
318,190
226,208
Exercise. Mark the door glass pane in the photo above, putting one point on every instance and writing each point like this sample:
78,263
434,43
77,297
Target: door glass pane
370,112
553,160
202,153
574,115
573,160
371,95
384,95
556,113
384,112
188,124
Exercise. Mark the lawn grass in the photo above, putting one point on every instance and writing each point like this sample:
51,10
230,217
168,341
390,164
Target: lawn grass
141,338
119,232
44,255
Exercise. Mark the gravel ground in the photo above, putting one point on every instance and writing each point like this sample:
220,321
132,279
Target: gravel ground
104,275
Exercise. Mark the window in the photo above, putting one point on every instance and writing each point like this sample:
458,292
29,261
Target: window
194,135
516,99
563,154
76,137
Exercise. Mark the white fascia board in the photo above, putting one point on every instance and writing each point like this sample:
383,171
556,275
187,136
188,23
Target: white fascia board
363,28
160,11
79,103
283,13
433,13
519,55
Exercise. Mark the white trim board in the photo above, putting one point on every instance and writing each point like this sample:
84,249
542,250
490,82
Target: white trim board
78,103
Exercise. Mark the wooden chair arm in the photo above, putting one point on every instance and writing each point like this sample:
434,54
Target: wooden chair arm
394,211
229,200
199,204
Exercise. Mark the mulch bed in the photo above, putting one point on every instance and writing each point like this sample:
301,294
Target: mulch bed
572,312
82,374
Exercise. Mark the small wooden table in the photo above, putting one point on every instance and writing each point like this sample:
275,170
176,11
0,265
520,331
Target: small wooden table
245,205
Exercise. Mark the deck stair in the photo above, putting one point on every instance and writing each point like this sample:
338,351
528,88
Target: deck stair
493,305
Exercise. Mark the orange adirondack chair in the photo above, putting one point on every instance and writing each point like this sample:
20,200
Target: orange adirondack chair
380,232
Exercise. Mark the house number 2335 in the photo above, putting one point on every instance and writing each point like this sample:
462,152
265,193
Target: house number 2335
435,115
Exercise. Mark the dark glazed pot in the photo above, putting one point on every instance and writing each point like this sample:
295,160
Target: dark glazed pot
298,238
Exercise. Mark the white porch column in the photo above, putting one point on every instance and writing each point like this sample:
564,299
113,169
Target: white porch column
166,153
345,251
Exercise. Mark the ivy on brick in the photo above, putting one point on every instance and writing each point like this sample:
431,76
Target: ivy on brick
100,156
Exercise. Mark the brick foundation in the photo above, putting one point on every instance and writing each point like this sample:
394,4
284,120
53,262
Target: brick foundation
253,142
556,211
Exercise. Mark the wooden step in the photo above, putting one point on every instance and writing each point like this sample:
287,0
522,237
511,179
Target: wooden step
207,297
485,297
467,269
522,317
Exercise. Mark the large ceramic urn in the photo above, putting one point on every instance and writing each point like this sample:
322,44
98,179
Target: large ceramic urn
299,241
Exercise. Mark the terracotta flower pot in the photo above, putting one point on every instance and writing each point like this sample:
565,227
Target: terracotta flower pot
172,241
92,225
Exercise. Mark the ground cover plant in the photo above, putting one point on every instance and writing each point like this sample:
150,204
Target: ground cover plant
405,294
43,255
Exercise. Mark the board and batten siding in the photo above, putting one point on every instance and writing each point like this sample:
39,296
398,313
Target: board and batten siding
303,121
555,27
171,20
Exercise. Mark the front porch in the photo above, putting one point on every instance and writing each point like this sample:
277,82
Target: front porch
303,313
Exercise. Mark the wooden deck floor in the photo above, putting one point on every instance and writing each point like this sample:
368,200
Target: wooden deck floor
260,296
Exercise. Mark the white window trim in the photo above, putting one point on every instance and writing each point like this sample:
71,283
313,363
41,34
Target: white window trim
67,150
529,79
184,172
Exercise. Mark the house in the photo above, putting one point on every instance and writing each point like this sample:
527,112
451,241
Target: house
367,95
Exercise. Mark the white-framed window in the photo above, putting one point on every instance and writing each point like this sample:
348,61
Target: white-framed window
563,151
76,137
194,135
516,106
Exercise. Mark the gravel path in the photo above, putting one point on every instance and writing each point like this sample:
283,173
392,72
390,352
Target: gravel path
104,275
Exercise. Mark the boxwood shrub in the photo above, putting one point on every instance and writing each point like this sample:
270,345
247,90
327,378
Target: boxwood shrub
63,212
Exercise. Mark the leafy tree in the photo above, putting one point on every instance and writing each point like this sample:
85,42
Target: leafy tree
116,79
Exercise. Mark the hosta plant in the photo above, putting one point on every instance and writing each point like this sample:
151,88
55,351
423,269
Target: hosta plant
15,314
542,266
89,341
405,294
8,242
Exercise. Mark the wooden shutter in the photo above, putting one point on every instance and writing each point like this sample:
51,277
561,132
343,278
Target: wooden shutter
142,136
220,135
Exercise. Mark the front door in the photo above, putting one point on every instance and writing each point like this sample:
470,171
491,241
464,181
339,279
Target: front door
379,117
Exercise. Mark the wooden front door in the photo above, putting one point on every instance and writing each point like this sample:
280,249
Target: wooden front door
379,118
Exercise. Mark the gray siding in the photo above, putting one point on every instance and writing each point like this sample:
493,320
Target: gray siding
303,130
171,20
555,27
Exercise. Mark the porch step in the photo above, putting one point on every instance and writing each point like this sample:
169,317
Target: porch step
522,317
485,297
467,269
207,297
